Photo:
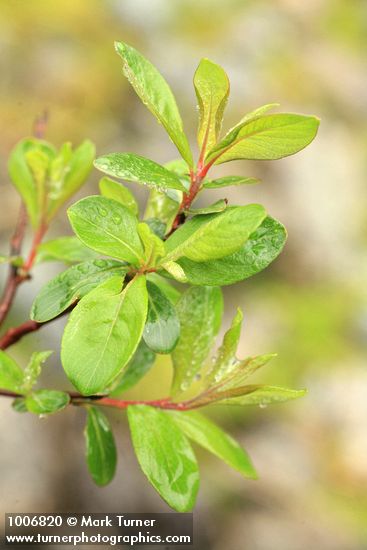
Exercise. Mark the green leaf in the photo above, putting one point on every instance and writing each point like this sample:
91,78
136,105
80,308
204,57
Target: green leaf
162,207
207,434
257,395
226,357
179,167
212,91
156,226
101,452
11,375
107,227
130,167
170,291
230,180
141,362
19,405
218,206
70,286
118,192
233,375
262,247
28,163
175,270
267,137
165,456
33,369
69,174
68,250
228,371
46,401
162,327
103,333
232,132
200,312
259,111
212,236
12,260
153,246
155,93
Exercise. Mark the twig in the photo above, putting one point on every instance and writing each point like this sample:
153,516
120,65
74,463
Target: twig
16,333
14,279
101,401
13,334
195,182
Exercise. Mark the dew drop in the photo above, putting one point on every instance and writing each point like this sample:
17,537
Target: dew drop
99,263
116,220
103,212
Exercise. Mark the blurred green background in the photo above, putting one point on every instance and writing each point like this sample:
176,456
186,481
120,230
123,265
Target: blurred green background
310,306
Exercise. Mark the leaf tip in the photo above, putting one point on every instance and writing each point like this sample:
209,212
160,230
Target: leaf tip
119,47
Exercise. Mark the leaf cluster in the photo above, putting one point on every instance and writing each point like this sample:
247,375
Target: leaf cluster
125,275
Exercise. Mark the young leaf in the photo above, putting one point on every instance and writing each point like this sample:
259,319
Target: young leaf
33,369
233,375
212,236
12,260
207,434
141,362
155,93
179,167
175,270
257,395
200,313
162,327
262,247
229,180
101,452
162,207
107,227
267,137
218,206
153,245
71,285
259,111
103,332
68,250
165,456
212,90
227,371
11,375
226,357
27,168
130,167
118,192
46,401
71,177
19,405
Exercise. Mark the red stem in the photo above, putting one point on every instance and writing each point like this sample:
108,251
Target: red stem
38,236
165,403
17,276
14,279
78,400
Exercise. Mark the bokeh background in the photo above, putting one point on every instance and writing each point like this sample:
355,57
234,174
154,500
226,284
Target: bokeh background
310,305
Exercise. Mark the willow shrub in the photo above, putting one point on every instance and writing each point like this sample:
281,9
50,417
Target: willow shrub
121,284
